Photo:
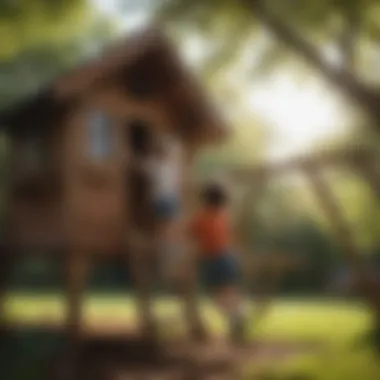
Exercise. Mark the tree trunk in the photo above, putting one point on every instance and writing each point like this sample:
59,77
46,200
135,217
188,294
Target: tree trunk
140,256
76,275
350,33
349,85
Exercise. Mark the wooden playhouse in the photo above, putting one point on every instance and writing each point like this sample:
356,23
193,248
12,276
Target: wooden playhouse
72,192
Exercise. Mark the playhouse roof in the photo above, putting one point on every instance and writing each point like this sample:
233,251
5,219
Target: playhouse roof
146,55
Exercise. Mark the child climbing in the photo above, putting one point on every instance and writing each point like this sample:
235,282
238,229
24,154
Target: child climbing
165,169
155,186
213,236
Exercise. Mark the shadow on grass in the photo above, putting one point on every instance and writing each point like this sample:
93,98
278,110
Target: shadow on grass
26,354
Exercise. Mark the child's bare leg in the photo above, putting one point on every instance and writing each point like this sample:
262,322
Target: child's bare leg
188,288
231,302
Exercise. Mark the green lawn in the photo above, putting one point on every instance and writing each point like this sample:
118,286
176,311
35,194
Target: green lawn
337,325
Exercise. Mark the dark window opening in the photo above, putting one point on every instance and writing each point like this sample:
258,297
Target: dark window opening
140,141
139,137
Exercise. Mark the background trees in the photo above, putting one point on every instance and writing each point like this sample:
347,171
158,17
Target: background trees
241,44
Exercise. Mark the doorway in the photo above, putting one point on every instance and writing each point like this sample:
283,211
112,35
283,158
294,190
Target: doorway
140,142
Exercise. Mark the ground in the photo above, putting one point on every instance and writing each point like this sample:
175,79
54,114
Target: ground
298,339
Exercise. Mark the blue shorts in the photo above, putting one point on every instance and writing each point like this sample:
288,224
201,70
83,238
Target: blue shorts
166,208
220,270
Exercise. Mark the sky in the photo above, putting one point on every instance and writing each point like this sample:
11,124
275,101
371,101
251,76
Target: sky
298,116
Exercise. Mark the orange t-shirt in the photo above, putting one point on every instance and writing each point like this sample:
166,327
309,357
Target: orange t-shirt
211,230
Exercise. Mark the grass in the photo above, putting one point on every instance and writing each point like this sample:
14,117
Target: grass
336,325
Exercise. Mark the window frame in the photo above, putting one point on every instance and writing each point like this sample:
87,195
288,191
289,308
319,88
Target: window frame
100,135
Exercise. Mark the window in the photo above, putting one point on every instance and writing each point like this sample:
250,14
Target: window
100,135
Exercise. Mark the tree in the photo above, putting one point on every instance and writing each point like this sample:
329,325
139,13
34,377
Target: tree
34,66
30,24
342,24
248,139
345,25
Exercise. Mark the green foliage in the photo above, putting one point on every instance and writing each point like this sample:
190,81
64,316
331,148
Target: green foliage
247,141
343,365
26,72
358,206
28,24
224,24
323,21
44,274
334,324
361,209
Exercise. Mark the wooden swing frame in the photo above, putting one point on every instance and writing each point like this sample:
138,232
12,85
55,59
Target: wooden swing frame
362,161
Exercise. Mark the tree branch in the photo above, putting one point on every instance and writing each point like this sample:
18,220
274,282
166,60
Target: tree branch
350,31
367,99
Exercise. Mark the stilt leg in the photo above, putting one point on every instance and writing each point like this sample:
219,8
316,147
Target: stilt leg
76,277
191,301
142,273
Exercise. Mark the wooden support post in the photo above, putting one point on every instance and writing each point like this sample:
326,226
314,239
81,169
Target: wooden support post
189,289
331,208
343,235
140,241
141,266
77,270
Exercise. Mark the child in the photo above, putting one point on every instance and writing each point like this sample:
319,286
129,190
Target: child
213,235
165,174
165,171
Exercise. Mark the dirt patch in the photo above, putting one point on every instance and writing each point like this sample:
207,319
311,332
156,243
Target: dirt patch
278,350
175,360
96,328
115,351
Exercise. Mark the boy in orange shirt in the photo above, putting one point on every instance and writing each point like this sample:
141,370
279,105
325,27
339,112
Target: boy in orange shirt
212,233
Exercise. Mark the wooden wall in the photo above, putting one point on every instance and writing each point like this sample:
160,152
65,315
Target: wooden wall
91,206
34,203
90,203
